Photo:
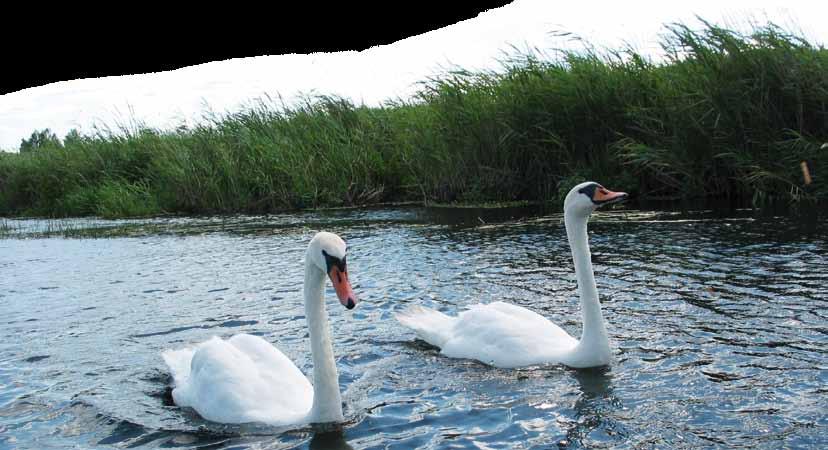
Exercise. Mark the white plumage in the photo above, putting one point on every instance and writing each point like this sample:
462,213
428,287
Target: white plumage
247,379
505,335
499,334
241,379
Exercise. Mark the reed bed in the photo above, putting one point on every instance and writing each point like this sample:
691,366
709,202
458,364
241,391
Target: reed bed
725,116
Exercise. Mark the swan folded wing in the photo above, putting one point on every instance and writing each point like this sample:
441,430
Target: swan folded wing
505,335
243,379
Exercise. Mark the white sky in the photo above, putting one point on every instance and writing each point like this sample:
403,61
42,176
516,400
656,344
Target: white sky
167,99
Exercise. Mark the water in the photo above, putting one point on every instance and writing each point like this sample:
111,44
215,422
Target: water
718,324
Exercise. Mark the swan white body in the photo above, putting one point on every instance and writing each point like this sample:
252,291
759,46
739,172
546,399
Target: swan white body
505,335
246,379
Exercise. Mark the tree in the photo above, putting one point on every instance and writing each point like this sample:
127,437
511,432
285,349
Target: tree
38,140
72,137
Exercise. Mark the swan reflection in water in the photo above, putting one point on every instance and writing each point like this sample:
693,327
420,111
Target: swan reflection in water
594,408
329,440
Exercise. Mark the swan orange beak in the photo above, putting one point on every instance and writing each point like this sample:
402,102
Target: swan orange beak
342,286
604,196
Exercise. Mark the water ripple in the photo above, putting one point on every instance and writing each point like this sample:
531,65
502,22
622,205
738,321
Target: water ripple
718,326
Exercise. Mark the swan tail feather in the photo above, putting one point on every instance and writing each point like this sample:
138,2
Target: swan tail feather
431,326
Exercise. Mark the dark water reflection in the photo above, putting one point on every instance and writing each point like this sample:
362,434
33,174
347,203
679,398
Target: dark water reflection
717,318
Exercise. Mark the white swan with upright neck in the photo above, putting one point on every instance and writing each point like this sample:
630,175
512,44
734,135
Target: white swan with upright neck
246,379
505,335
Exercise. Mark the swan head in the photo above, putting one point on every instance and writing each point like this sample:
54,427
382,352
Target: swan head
586,197
327,252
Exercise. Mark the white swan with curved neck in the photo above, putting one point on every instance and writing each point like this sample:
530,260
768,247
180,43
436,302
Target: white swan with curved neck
505,335
246,379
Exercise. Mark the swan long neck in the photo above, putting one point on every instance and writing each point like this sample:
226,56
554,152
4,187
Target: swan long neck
327,402
594,335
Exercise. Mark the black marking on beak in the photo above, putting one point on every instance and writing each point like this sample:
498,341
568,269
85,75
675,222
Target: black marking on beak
589,190
350,304
331,261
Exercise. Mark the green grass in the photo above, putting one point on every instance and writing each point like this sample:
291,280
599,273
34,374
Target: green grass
727,116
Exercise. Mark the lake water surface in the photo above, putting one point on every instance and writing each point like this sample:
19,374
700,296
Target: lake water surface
718,322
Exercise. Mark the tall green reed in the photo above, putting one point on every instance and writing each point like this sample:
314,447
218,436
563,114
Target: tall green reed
726,115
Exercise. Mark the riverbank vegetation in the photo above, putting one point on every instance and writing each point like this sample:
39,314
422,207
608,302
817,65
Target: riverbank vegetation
726,115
